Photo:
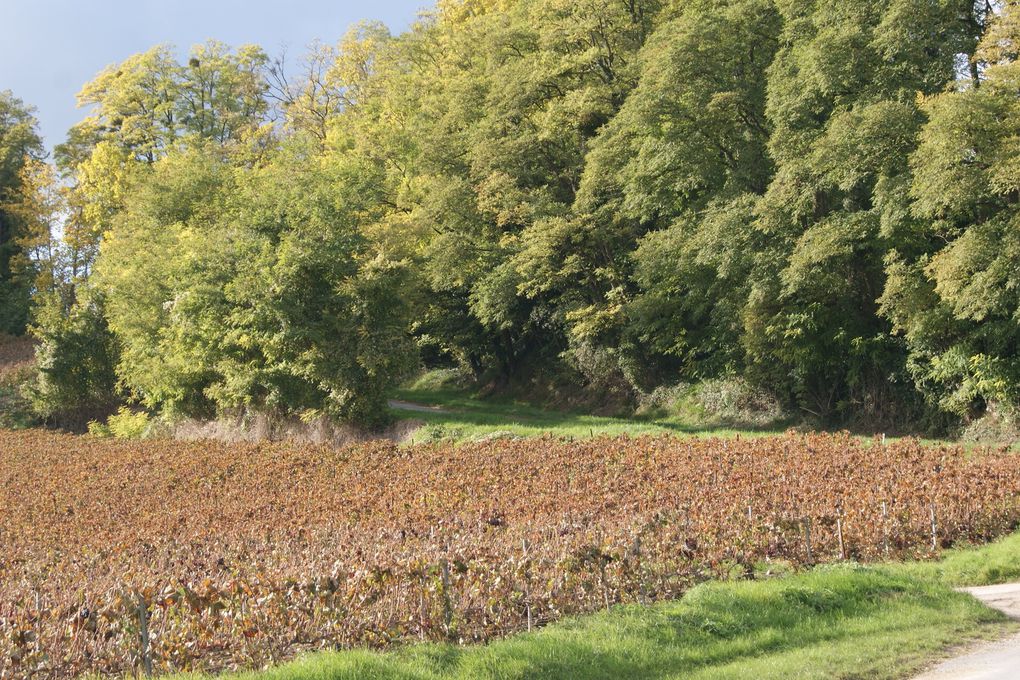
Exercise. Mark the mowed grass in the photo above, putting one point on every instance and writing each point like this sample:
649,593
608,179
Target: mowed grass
844,621
459,415
465,417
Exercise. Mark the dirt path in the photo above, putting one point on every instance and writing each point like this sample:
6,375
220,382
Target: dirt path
991,661
417,408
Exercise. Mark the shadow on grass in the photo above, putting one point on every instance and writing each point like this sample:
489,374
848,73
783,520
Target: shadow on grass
464,415
467,416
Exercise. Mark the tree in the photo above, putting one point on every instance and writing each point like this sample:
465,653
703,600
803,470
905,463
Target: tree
20,146
234,288
149,102
40,260
816,196
682,159
75,359
841,102
953,295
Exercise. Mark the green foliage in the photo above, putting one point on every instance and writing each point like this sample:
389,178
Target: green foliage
124,424
818,197
20,144
16,373
953,295
150,101
259,292
75,358
726,402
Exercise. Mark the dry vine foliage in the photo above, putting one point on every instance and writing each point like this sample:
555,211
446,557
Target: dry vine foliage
118,555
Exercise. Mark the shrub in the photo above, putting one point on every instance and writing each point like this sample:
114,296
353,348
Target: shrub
124,424
16,371
75,359
719,401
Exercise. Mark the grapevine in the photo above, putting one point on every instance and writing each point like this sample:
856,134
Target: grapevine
119,556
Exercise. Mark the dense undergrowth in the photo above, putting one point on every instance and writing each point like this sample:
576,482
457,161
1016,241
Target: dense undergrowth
17,369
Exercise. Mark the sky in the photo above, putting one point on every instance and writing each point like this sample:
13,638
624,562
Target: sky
50,48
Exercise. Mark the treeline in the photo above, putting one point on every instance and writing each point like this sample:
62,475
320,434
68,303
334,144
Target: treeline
820,197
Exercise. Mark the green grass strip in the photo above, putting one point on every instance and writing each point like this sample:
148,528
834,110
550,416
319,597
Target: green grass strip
844,621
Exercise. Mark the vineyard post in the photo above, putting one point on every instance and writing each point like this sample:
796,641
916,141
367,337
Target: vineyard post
636,550
934,527
602,576
839,535
447,604
527,581
421,612
885,527
143,634
423,579
38,621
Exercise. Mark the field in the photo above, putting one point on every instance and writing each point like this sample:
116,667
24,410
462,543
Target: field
122,555
455,412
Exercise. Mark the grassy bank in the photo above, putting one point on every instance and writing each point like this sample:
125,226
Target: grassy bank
846,621
457,414
460,415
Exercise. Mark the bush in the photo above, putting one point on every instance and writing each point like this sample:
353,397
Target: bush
124,424
16,372
716,402
443,378
75,360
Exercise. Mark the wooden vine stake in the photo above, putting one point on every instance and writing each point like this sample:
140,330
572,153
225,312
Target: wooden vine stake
447,603
807,539
885,527
143,635
642,597
605,582
934,528
421,612
839,535
527,582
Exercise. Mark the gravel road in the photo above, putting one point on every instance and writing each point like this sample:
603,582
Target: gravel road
989,661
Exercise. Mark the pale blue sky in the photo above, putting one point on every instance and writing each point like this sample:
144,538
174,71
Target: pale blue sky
50,48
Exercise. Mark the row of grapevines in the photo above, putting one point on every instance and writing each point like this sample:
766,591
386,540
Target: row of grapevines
116,557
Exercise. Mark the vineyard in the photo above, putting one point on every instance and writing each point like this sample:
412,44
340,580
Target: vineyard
135,557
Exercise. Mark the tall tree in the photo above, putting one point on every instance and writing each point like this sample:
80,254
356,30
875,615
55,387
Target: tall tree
20,147
954,294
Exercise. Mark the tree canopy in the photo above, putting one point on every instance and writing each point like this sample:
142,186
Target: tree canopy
818,196
21,151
